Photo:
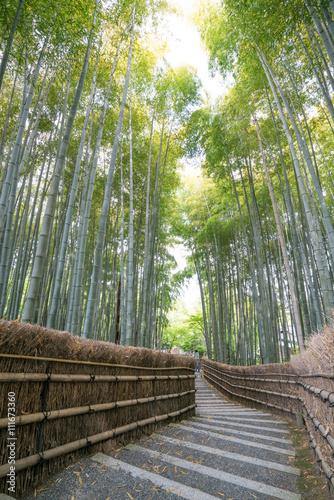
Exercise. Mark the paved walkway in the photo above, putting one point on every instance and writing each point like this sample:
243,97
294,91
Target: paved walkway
226,451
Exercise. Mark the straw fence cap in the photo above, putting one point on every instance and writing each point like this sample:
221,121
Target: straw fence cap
33,340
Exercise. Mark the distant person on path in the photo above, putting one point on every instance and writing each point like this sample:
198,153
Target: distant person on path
197,361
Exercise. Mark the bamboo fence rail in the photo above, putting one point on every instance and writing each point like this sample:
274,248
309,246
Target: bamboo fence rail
66,377
26,462
68,407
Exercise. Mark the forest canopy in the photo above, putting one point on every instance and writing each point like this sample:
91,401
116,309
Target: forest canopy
93,126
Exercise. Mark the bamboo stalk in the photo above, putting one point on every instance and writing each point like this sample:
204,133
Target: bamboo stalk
80,410
41,377
32,460
91,363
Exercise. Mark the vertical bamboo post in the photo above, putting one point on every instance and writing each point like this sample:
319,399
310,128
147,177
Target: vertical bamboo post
44,394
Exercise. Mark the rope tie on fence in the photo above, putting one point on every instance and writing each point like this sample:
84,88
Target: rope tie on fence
330,403
116,378
325,434
92,378
41,459
327,394
46,414
88,442
139,378
90,409
49,377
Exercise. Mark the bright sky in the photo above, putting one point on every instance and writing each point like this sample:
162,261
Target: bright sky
190,294
186,46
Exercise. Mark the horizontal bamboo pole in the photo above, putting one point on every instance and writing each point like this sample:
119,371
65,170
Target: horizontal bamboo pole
253,379
32,460
324,395
55,377
324,465
296,375
92,363
81,410
237,373
281,408
318,426
243,387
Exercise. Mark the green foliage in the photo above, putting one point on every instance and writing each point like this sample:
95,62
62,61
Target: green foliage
178,92
185,331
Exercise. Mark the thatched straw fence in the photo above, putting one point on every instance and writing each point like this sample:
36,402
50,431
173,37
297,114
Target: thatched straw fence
302,389
76,396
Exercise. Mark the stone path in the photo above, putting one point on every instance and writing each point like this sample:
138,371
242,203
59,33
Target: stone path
226,451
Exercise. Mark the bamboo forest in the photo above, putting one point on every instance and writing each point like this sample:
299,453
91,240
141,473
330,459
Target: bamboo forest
96,127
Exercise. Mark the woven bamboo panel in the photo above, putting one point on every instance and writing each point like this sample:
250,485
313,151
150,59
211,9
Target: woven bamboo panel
105,394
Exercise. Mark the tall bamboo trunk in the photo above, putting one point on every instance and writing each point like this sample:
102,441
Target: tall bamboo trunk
129,280
69,213
10,41
94,289
38,268
283,246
